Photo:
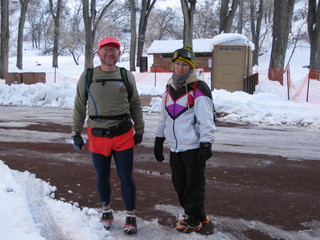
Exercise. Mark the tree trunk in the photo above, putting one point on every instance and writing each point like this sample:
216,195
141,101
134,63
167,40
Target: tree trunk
227,15
56,19
87,19
74,57
188,9
283,11
22,20
240,23
91,21
231,14
133,28
223,15
4,59
255,29
314,36
147,6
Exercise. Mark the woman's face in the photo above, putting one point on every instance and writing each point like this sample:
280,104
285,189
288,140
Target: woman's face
181,68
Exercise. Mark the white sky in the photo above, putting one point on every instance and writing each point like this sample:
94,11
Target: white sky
28,212
163,4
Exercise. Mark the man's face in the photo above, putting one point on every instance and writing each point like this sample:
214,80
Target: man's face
108,55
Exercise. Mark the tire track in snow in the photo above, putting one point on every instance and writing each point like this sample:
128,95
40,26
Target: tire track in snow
40,211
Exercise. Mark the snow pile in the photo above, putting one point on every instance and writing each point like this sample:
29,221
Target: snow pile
29,212
263,107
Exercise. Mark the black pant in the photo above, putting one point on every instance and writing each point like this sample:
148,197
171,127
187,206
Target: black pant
189,181
124,161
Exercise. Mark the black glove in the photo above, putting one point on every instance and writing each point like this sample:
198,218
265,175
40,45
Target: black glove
204,152
137,138
158,148
77,140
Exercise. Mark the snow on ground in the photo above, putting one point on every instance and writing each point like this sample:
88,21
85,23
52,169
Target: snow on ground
269,104
27,205
30,212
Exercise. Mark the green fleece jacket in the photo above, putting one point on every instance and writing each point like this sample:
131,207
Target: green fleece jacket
108,96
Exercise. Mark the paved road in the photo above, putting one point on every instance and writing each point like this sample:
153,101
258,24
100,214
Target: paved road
291,143
262,182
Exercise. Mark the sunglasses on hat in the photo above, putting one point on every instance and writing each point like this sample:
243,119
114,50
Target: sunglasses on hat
182,53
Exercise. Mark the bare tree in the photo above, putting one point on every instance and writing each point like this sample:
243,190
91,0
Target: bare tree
283,11
146,7
117,24
72,37
314,36
91,22
223,14
163,24
22,20
188,9
256,19
4,59
240,22
55,13
133,42
227,14
206,20
36,16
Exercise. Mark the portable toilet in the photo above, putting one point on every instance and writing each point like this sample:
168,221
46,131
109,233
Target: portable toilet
231,61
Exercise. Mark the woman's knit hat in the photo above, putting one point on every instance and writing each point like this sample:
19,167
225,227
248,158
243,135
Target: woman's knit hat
186,55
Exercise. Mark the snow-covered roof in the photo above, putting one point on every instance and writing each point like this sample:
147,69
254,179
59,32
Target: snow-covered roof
201,45
169,46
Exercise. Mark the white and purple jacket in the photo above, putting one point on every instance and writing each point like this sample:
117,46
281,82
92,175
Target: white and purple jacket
187,115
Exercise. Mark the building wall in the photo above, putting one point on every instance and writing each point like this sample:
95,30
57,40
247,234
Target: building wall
203,62
164,64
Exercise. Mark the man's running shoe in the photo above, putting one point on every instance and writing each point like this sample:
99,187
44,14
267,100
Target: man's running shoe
107,219
130,226
189,224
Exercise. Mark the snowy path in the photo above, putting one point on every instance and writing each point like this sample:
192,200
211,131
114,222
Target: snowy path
33,195
40,211
28,212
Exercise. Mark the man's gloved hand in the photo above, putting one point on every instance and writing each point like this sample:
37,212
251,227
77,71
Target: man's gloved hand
204,152
137,138
78,142
158,148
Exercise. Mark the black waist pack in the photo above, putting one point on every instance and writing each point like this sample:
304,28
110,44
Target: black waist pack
123,127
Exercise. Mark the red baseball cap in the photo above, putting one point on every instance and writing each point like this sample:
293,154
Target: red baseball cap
110,41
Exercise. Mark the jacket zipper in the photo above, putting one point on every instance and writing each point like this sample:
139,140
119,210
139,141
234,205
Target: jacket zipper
174,133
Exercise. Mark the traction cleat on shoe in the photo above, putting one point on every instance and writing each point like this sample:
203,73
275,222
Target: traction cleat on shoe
107,219
130,227
189,224
204,220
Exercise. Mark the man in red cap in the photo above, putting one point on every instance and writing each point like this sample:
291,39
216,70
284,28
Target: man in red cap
115,125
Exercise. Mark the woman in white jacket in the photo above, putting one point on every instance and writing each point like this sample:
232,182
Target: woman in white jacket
187,123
